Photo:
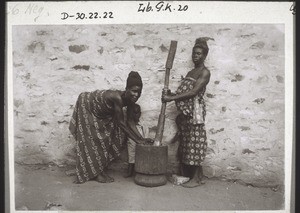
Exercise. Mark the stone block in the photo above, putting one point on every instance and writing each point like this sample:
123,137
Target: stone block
78,48
212,171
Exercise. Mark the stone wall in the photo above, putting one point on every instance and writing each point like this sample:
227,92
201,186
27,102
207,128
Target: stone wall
245,96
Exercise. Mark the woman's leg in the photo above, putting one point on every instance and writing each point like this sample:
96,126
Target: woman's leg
108,178
131,147
181,169
187,171
130,170
196,179
76,181
200,175
104,177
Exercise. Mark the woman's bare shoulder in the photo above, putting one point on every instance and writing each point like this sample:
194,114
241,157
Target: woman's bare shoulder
113,95
206,71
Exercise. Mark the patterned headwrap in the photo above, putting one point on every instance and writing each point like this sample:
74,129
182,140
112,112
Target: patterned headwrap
134,79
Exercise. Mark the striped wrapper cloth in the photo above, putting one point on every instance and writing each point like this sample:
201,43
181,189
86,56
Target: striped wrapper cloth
98,137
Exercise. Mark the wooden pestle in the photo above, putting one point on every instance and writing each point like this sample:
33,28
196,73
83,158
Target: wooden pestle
161,119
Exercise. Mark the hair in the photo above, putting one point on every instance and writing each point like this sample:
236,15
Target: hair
134,79
202,43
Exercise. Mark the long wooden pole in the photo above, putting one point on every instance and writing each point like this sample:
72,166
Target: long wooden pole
161,119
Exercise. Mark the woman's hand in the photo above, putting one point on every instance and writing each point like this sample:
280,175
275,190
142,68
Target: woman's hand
166,98
166,95
149,141
146,141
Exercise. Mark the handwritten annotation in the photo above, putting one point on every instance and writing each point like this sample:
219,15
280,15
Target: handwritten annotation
30,9
90,15
161,6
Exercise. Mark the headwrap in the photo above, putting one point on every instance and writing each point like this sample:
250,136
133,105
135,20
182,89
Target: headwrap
134,79
202,43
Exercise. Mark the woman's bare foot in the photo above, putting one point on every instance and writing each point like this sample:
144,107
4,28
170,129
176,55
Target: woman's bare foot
101,178
192,183
104,178
76,181
128,174
108,178
130,171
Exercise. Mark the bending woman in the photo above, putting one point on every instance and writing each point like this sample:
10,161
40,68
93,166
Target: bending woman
191,128
99,129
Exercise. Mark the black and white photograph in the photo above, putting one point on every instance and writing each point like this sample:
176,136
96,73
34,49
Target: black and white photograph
167,114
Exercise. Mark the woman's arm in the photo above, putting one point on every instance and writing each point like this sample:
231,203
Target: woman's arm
200,83
132,125
119,117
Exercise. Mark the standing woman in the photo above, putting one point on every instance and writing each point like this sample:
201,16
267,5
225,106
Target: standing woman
189,101
99,129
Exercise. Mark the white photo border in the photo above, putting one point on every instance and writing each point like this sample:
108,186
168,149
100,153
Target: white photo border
126,13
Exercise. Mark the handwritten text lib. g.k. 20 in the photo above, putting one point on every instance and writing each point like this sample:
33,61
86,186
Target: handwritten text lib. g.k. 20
161,6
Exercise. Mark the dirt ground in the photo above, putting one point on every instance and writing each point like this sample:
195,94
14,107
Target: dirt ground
40,187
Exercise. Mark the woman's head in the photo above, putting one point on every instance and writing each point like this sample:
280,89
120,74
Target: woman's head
200,50
202,43
134,86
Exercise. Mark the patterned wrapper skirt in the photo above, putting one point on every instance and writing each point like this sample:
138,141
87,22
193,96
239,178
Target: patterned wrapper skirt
191,125
193,144
98,138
